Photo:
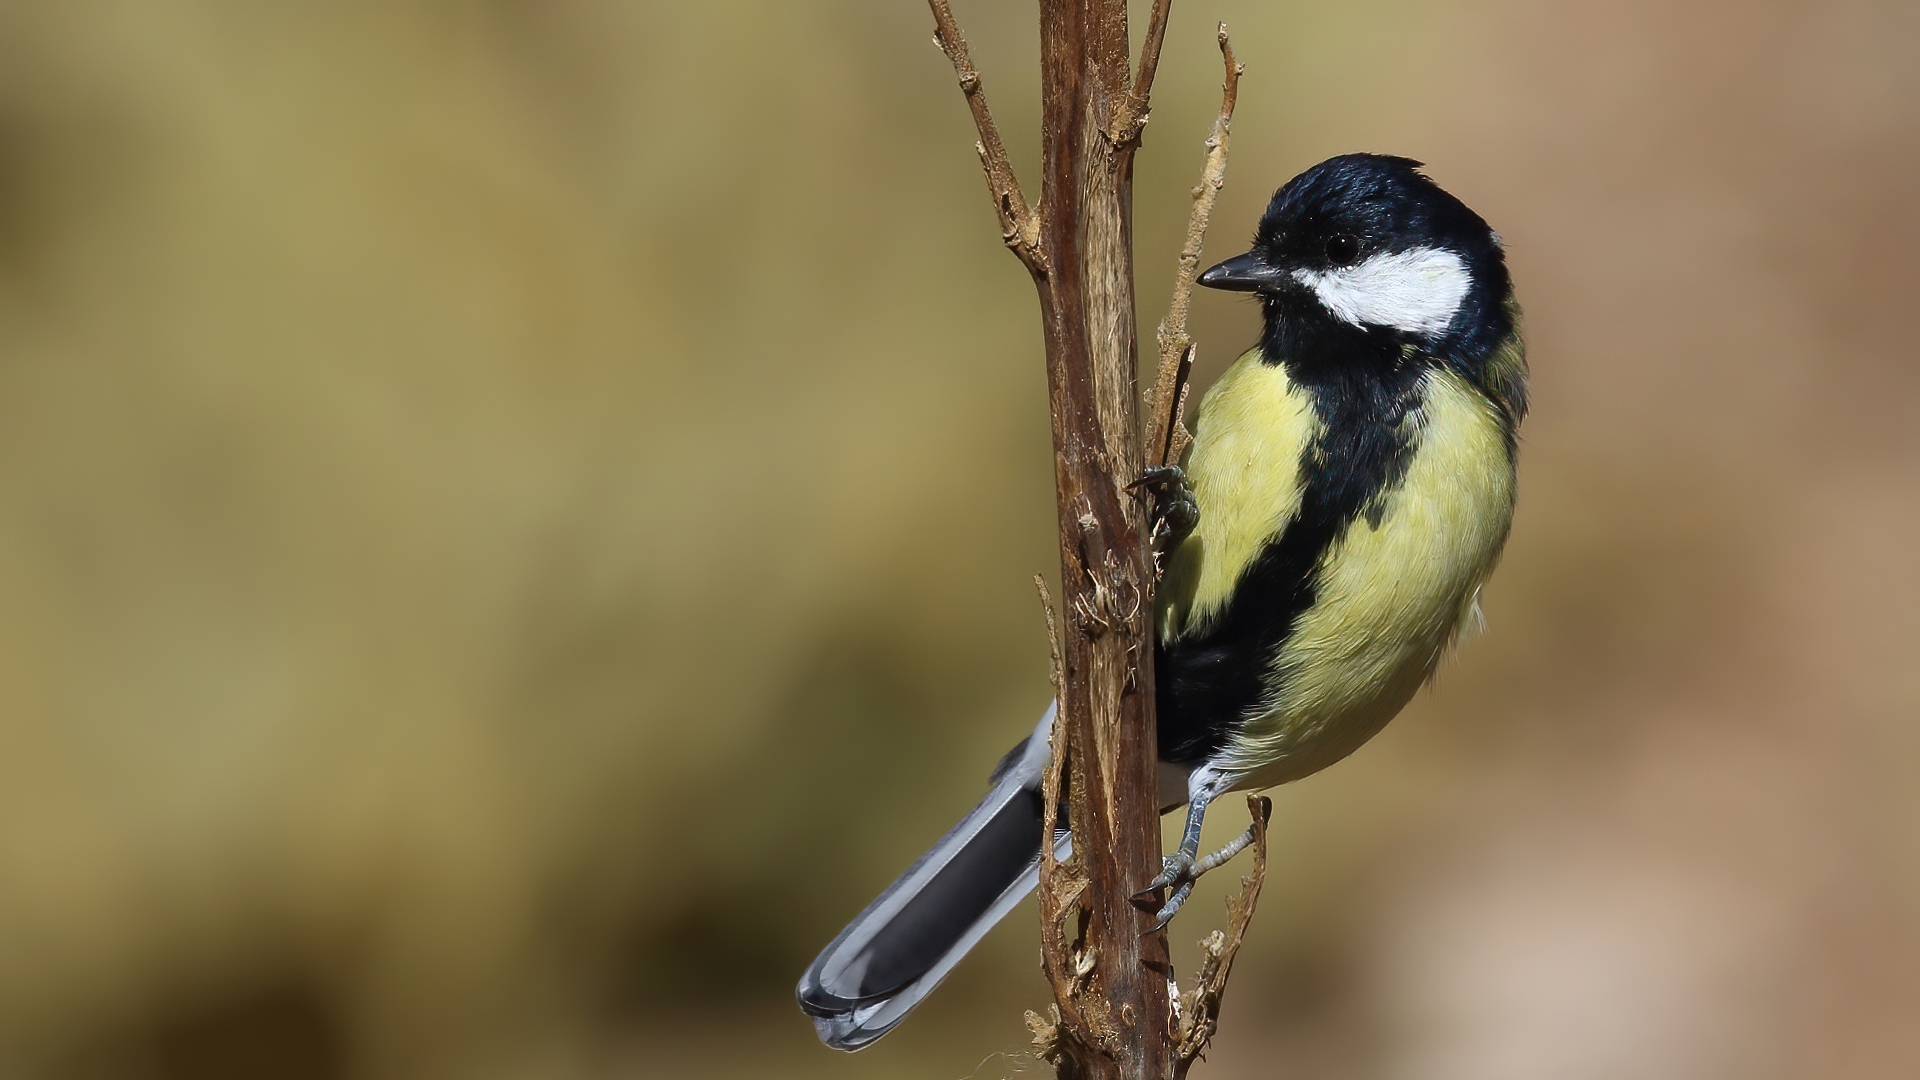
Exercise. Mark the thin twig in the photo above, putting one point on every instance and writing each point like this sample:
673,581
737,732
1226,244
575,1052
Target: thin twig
1019,224
1142,93
1200,1008
1167,431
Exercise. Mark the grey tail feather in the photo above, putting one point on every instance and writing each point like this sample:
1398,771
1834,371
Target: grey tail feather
893,954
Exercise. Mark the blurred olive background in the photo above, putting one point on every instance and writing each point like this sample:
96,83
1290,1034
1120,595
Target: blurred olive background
516,520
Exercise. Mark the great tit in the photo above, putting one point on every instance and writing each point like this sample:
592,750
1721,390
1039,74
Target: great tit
1354,480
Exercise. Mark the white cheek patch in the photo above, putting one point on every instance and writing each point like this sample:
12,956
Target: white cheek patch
1417,291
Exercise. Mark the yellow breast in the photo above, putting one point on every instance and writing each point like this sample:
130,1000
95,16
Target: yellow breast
1249,434
1391,596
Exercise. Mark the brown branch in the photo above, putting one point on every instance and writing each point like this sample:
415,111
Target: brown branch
1019,225
1117,1014
1168,401
1113,1014
1113,1017
1200,1008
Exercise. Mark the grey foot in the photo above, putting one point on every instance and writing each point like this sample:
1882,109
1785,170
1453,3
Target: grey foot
1181,871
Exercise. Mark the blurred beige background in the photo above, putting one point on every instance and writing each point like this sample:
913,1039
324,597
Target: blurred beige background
516,518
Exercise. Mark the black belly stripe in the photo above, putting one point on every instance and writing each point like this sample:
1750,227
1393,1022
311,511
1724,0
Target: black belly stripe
1208,685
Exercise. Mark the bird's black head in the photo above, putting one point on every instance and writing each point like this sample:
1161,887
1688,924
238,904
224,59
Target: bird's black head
1364,256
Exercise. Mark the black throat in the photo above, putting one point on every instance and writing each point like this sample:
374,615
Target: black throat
1365,385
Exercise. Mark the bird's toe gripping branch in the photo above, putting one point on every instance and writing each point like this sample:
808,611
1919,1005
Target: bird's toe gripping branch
1185,866
1178,873
1172,509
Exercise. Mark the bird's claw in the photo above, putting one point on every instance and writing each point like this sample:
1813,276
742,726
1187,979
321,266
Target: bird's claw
1165,915
1174,868
1177,873
1172,510
1181,870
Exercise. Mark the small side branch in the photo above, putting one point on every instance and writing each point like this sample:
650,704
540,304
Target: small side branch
1135,119
1054,662
1166,431
1067,960
1019,224
1200,1007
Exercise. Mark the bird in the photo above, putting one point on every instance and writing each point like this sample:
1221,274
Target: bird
1348,489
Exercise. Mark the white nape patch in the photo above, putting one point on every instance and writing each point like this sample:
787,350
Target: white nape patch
1417,291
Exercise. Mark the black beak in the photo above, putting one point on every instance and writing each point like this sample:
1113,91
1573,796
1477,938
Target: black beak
1242,273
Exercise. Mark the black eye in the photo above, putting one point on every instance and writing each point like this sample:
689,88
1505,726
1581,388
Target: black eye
1343,249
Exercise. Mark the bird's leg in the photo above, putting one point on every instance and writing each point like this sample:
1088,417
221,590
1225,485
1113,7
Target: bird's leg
1182,868
1201,866
1172,510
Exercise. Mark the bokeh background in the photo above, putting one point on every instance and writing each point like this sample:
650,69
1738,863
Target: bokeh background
516,519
